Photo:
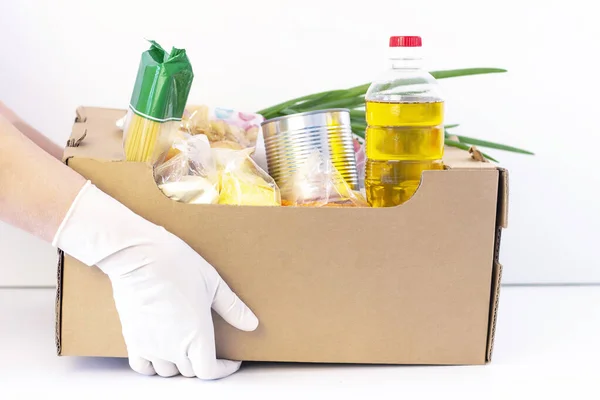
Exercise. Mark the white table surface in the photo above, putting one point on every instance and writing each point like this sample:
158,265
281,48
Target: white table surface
546,343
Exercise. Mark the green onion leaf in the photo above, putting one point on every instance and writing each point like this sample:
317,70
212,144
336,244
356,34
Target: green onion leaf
492,145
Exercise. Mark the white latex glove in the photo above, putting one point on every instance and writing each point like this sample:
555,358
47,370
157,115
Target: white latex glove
163,289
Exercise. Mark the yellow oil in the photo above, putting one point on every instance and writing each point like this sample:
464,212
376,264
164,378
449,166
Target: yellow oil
402,141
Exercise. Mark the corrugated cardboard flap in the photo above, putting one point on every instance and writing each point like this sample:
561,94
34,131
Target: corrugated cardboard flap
503,199
501,223
89,135
58,306
495,293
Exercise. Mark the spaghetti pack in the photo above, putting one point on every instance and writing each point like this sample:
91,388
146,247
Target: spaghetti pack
157,103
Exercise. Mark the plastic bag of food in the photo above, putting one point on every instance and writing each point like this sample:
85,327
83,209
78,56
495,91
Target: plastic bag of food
225,128
317,183
190,174
242,181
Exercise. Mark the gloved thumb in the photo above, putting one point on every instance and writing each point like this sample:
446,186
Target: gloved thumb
229,306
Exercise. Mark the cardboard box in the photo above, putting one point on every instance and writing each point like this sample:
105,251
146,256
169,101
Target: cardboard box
414,284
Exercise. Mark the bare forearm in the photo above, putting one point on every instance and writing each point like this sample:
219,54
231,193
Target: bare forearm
36,190
33,134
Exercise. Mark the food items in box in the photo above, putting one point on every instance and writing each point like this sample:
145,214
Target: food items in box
191,189
242,182
225,128
317,183
195,173
405,132
191,175
291,138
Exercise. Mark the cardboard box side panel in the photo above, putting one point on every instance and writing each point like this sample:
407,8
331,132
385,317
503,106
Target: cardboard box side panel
90,322
381,294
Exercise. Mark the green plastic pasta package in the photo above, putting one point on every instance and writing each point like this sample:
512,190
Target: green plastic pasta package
157,103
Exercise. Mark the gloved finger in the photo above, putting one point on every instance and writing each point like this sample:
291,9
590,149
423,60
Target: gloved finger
216,369
141,365
165,368
185,368
233,310
202,354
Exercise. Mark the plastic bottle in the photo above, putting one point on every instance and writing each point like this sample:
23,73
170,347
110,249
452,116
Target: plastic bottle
405,132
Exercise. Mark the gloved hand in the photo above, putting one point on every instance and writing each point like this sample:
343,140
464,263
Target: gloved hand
163,289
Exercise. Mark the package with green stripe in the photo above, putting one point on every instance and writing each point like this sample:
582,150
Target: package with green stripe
157,103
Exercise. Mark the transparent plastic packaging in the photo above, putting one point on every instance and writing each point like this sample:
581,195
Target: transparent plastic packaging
317,183
225,128
242,181
191,175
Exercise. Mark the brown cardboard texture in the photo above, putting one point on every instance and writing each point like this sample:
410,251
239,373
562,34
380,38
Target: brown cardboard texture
414,284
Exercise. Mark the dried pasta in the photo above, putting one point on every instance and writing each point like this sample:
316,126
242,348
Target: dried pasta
157,103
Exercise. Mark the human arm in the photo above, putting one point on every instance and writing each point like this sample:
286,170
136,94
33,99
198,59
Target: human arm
30,196
163,290
33,134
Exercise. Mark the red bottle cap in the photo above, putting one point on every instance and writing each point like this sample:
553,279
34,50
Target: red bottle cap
405,41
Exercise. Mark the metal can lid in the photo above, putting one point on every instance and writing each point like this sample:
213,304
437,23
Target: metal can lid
303,114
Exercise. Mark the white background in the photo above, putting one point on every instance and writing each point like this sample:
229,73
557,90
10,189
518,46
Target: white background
251,54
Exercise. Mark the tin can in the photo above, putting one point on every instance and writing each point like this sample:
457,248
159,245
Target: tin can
291,139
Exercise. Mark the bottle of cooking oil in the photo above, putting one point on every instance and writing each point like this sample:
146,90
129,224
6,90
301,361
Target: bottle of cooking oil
405,132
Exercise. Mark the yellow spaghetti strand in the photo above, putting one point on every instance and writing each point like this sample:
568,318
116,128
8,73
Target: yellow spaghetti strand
149,127
132,140
130,145
142,138
138,138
